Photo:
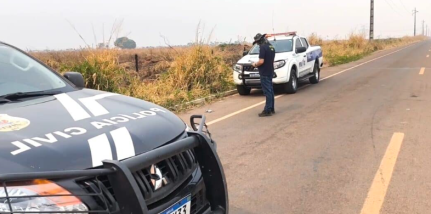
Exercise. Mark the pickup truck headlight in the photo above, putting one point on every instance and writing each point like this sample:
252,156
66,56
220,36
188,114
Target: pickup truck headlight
237,68
279,64
33,203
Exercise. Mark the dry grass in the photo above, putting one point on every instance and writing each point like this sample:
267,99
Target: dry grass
337,52
172,76
194,74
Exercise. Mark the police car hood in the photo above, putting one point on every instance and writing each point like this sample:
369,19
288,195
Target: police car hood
77,130
248,59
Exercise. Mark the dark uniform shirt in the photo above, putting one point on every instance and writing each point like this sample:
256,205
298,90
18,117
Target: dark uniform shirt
267,53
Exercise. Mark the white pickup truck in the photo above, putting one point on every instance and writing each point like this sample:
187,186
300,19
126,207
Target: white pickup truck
294,60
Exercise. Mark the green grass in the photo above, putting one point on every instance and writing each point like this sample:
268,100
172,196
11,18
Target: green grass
338,60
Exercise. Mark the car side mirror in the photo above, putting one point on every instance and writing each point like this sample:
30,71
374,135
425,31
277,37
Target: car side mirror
76,78
301,49
244,53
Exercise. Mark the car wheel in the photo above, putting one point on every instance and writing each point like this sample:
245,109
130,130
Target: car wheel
292,86
242,90
316,74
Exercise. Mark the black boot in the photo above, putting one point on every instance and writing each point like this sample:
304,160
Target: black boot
265,114
272,111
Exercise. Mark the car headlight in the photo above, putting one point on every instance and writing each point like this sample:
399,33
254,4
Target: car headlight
279,64
47,202
237,68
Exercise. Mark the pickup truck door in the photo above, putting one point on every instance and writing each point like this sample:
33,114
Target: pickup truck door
301,58
309,60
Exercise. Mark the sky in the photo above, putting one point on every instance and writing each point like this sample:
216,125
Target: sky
49,24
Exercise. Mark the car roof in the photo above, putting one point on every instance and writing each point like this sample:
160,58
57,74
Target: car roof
281,37
4,43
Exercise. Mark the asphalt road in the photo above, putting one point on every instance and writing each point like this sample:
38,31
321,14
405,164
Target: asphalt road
358,142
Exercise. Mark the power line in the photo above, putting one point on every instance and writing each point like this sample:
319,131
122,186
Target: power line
390,5
395,5
404,6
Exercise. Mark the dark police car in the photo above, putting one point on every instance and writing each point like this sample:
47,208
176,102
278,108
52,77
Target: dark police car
66,149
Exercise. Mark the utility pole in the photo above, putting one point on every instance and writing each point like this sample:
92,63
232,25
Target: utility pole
372,20
414,13
426,30
423,27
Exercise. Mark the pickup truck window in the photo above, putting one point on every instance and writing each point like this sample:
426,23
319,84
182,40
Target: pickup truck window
298,43
280,46
21,73
304,42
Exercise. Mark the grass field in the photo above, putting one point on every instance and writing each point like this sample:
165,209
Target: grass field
337,52
172,76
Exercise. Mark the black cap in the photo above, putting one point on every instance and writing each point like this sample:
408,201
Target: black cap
258,37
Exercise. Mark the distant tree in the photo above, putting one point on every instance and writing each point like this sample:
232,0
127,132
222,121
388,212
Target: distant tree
102,45
125,43
130,44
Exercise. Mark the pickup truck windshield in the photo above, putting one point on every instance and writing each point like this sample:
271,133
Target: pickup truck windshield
279,45
21,73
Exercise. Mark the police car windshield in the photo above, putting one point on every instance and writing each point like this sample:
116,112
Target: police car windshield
280,46
21,73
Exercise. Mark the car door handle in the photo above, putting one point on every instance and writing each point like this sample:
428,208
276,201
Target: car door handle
305,56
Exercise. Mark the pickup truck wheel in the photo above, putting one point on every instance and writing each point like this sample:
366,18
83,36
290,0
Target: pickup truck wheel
242,90
292,86
316,77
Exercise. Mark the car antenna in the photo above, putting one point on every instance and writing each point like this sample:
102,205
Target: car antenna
273,30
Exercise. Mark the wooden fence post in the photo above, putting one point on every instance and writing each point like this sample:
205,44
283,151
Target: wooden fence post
136,63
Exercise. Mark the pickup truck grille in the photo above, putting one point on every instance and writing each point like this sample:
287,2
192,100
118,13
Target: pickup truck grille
198,202
249,68
176,171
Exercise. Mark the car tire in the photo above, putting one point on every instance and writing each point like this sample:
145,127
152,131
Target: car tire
292,86
242,90
316,74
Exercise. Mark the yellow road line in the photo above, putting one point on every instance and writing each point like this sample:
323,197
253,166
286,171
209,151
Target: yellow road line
348,69
422,71
239,111
376,194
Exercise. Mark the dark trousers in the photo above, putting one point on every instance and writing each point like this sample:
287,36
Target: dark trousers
268,90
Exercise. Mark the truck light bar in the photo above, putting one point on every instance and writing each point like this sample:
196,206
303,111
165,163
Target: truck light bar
281,34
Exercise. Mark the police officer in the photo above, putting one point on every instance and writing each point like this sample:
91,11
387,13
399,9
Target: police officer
266,71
